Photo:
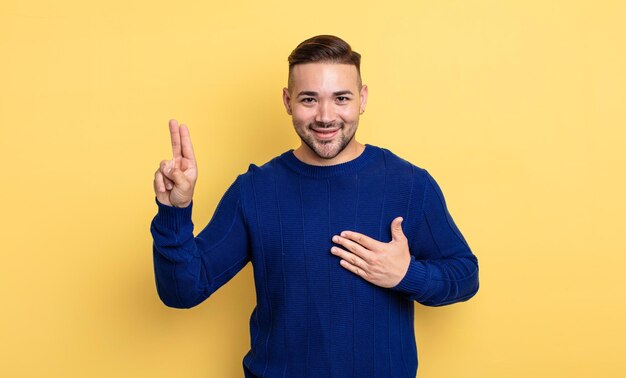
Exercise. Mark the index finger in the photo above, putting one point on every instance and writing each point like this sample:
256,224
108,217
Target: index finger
175,136
364,240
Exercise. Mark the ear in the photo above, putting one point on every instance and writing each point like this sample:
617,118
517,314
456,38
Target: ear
287,100
363,96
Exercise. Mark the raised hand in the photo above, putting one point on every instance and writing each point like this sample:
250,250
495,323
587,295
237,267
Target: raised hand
383,264
175,179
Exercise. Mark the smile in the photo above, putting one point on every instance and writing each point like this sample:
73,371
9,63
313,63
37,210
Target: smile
325,133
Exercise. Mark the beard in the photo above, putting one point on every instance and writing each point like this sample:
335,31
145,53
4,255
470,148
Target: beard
327,149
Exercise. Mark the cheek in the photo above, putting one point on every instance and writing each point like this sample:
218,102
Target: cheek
349,115
303,115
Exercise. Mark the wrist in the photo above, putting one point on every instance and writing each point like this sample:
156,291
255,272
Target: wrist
183,205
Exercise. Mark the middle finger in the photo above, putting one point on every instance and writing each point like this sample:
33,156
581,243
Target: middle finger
349,257
353,247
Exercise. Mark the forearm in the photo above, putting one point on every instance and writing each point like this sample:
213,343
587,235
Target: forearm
178,269
440,282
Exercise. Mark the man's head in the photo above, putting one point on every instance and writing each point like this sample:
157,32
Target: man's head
325,97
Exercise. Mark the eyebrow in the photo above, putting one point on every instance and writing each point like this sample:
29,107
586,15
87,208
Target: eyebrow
312,93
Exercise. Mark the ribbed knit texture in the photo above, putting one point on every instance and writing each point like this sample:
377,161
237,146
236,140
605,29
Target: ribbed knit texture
313,317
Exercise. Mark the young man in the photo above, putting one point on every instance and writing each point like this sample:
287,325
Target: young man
342,236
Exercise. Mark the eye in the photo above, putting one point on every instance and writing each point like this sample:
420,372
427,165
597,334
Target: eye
308,100
343,98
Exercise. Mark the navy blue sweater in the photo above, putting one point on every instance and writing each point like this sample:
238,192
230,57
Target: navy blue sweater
313,317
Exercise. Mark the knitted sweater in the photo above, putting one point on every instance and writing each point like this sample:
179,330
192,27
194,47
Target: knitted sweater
314,318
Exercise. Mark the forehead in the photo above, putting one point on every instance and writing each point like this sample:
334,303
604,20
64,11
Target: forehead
320,76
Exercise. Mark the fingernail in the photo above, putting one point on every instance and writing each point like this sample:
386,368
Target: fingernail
335,238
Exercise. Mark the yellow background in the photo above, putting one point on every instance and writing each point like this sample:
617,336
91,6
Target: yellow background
517,108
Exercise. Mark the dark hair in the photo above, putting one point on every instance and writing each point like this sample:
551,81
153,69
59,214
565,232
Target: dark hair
326,49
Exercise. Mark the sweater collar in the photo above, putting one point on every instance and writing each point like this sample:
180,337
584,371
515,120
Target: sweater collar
323,171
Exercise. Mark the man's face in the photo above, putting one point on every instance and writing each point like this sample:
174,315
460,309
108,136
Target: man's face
325,103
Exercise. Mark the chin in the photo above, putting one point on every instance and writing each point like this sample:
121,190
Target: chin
328,149
327,156
325,151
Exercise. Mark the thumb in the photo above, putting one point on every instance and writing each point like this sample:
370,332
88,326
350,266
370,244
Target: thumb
396,229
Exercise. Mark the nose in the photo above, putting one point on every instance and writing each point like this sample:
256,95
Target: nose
325,113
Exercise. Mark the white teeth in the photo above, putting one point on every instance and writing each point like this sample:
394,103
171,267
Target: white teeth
324,131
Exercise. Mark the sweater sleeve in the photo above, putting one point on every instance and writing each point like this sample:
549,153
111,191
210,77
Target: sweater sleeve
443,270
189,269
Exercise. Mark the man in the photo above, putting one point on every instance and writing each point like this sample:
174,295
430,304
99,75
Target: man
342,236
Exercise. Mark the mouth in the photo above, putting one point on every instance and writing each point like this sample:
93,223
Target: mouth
325,133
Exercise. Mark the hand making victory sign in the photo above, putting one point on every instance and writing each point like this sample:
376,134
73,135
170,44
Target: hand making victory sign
175,179
383,264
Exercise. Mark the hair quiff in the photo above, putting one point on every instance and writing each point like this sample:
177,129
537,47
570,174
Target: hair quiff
325,49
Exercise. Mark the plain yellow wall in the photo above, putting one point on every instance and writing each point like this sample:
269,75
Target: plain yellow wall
516,107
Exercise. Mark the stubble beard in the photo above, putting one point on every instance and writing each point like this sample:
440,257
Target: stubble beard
324,149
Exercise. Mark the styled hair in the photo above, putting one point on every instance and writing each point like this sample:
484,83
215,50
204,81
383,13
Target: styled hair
325,49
